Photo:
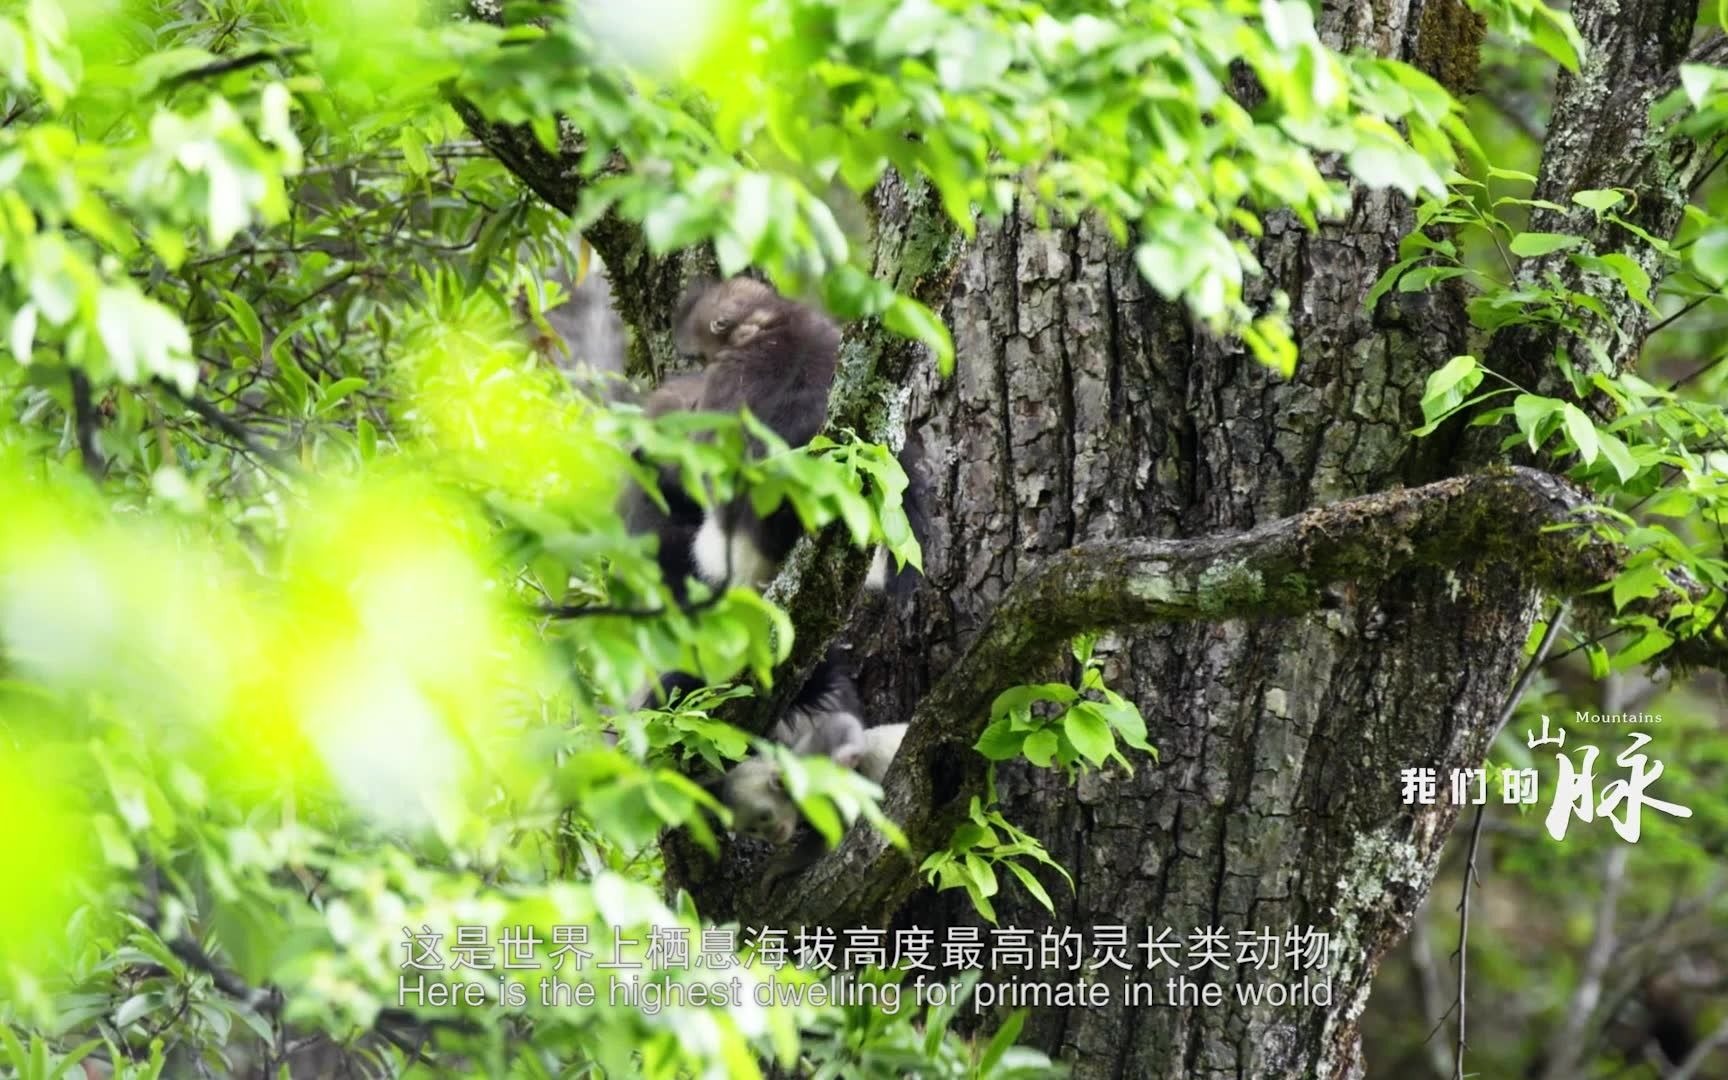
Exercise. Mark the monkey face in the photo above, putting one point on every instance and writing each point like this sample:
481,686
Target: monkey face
757,798
712,317
774,824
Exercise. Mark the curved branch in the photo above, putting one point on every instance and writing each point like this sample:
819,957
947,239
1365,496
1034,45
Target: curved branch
1493,522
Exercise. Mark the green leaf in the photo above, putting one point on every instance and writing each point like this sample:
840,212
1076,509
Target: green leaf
1600,199
1000,741
752,209
14,1049
1700,81
1534,21
134,1007
245,319
1089,733
909,318
414,153
1531,244
340,389
1390,163
1445,387
1125,719
1582,432
1617,455
22,334
1599,663
1626,270
117,851
1497,172
1387,279
1040,747
1007,1033
1031,884
1654,640
144,339
1424,276
1637,583
1710,256
982,875
1530,411
1020,699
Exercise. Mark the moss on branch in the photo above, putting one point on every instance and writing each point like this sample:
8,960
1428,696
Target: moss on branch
1496,522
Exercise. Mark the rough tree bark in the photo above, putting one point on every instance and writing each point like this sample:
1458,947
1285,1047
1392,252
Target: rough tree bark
1086,410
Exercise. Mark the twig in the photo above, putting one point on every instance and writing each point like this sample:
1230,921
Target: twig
193,956
1712,50
231,64
1528,675
1464,942
1686,309
1519,689
226,424
1562,1046
1702,369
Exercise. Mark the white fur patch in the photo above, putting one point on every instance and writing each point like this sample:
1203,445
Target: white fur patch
877,581
709,550
871,754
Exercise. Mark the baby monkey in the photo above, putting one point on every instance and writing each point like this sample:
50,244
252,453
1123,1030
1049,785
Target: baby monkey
755,793
825,718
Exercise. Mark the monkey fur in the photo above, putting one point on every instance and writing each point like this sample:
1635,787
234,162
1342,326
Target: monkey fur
777,358
761,351
826,718
760,806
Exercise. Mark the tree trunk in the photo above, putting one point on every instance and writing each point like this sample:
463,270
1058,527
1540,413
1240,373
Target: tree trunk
1084,408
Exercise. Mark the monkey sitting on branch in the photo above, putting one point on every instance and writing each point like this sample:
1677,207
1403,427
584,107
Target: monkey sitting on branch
775,357
826,719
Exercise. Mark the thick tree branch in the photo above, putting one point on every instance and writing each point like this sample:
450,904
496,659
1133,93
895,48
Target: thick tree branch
645,287
1494,522
1601,136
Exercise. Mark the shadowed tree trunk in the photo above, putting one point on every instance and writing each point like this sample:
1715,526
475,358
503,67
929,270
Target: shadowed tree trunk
1285,692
